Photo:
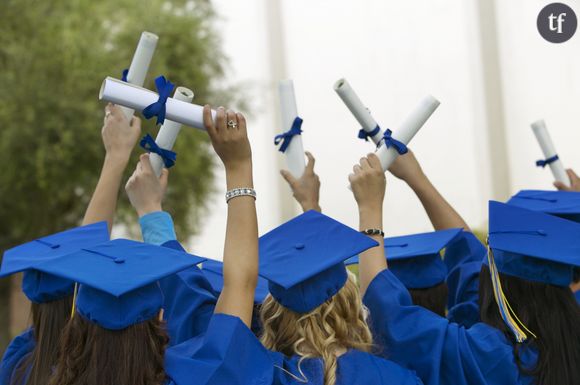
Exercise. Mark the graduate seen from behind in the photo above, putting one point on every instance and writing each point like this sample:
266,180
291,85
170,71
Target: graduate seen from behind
313,321
529,331
116,335
31,356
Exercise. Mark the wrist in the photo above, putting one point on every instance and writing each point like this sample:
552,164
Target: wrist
239,176
418,181
307,206
148,209
116,159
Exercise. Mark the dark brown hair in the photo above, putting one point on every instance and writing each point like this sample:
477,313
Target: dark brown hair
92,355
551,313
49,320
432,298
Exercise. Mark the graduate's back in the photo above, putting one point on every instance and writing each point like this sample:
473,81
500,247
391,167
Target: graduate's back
353,367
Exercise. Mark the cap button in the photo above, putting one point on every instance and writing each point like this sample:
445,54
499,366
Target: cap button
119,260
299,246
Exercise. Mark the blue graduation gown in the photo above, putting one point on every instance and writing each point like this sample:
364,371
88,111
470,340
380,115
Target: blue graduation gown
439,351
189,302
577,295
18,349
229,353
463,259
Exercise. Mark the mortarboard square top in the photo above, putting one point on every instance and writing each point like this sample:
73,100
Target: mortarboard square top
41,287
214,273
533,245
303,259
416,259
565,204
119,279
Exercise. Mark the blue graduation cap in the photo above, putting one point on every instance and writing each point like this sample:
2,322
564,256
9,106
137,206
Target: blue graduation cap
41,287
529,245
119,279
214,273
303,259
416,259
565,204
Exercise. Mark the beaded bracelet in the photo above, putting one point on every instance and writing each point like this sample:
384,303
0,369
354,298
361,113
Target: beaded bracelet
240,192
373,232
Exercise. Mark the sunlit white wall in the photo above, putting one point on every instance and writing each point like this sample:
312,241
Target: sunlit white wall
393,53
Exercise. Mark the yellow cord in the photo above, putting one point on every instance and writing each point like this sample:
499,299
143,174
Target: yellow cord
74,304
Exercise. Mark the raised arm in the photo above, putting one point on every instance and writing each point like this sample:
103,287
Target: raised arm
440,212
306,189
368,185
229,138
119,138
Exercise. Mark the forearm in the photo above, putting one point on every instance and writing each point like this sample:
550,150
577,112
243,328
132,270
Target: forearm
372,261
441,214
103,203
240,250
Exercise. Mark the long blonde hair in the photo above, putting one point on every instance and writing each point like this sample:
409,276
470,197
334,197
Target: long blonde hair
337,324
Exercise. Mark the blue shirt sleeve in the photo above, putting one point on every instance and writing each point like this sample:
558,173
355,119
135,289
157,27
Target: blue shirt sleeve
157,228
439,351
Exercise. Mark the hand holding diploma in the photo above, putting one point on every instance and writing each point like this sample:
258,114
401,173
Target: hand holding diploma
144,189
574,182
306,189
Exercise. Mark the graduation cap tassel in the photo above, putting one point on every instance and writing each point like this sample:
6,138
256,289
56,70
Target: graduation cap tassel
516,326
74,303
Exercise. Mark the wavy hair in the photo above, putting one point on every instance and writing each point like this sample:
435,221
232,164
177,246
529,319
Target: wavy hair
337,324
92,355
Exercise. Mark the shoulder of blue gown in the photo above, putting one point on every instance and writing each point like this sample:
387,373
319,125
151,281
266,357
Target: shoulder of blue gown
18,348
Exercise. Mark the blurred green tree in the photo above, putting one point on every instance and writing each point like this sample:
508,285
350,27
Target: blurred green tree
53,58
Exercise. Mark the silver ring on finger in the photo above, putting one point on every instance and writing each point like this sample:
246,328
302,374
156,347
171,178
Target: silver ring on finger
232,124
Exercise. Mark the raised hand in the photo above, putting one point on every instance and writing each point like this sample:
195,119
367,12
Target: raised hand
145,190
119,135
368,183
306,189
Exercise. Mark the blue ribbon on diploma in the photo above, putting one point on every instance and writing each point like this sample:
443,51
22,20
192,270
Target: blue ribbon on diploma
164,89
125,73
148,144
362,134
543,163
286,137
392,142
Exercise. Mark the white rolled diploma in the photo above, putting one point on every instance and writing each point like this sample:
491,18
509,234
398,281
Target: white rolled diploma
545,141
289,112
169,131
140,63
129,95
357,108
407,130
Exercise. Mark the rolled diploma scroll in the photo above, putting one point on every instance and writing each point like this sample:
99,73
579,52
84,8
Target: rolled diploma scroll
169,131
549,151
407,130
129,95
288,111
357,108
140,63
